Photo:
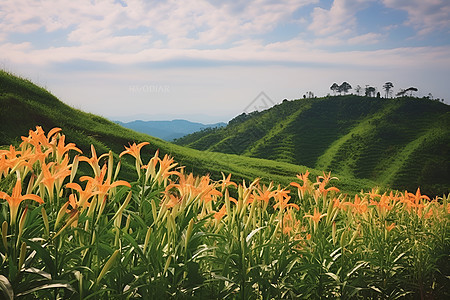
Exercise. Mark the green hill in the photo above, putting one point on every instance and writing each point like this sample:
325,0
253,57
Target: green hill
24,105
403,142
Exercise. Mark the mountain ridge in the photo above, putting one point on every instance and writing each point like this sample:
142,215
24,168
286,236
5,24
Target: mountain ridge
167,130
402,142
23,106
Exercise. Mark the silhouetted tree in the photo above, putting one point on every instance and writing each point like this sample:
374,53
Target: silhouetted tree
387,87
370,91
358,89
344,87
411,90
334,88
402,92
378,95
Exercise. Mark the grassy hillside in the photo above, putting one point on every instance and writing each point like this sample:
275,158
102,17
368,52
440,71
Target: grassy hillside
403,143
24,105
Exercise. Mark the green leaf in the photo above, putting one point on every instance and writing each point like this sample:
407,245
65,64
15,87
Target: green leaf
376,289
254,231
6,287
39,272
108,265
398,257
334,276
335,254
138,249
356,268
44,255
48,285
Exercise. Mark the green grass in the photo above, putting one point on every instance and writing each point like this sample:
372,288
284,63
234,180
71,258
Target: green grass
24,105
402,143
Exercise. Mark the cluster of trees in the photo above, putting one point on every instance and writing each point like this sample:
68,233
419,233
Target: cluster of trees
371,91
343,88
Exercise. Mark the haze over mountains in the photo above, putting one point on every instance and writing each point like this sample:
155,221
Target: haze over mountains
167,130
23,106
401,143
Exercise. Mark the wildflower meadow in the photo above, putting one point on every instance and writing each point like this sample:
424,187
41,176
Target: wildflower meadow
170,234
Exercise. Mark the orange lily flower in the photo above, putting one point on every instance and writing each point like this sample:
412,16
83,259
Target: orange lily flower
338,203
414,201
37,138
415,198
383,205
85,194
221,213
61,149
327,177
374,193
93,161
172,201
359,206
102,185
54,179
265,193
134,150
12,160
207,191
316,216
226,182
165,165
305,187
16,198
38,155
283,203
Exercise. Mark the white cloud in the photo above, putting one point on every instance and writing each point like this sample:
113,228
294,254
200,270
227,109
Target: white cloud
226,34
150,30
366,39
183,24
424,16
340,20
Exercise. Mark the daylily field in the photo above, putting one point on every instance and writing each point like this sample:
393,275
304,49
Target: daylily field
66,234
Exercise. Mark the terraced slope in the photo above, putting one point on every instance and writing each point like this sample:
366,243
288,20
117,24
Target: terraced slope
24,105
402,142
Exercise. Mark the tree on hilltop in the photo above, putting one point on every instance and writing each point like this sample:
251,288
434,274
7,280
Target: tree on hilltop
411,90
344,87
370,91
402,92
358,89
334,88
387,87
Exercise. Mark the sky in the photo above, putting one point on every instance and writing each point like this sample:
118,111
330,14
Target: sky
210,60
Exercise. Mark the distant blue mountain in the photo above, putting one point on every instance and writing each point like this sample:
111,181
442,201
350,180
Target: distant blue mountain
167,130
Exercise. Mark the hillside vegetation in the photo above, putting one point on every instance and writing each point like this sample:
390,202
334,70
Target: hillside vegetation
24,105
173,235
402,143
